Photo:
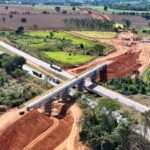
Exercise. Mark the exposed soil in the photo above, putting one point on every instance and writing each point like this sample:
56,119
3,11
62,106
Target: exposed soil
11,17
24,130
58,135
130,56
124,65
73,140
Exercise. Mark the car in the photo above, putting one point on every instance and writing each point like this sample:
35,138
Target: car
55,67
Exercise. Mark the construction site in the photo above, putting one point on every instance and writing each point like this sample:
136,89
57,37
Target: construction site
37,130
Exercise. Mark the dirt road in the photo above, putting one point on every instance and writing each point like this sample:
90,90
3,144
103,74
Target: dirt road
72,142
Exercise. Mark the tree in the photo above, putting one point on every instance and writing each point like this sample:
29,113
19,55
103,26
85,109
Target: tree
82,46
105,8
57,9
23,20
19,30
14,63
127,22
64,12
6,7
74,8
4,19
146,121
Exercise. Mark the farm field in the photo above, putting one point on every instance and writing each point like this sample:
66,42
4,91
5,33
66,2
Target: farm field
116,16
111,10
36,17
62,47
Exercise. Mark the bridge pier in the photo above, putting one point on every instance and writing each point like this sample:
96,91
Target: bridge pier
94,76
65,94
103,73
81,85
47,108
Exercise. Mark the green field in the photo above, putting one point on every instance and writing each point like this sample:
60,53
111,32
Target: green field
99,35
67,59
146,75
57,44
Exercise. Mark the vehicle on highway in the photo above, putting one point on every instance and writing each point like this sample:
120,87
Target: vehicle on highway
33,72
55,67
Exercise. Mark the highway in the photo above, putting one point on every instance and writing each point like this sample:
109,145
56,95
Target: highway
61,88
35,60
102,91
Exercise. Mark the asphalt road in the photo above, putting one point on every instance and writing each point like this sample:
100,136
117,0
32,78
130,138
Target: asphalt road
35,60
102,91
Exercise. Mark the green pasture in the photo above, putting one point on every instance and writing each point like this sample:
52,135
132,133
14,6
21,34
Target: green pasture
66,58
57,43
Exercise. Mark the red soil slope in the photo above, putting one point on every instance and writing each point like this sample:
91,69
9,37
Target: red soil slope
57,136
24,130
124,65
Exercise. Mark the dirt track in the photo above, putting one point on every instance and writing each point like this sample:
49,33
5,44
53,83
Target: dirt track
72,142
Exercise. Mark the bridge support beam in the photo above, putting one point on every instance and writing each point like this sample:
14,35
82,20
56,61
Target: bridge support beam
94,76
47,108
81,85
65,94
103,73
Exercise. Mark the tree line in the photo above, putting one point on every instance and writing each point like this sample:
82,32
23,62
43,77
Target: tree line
89,24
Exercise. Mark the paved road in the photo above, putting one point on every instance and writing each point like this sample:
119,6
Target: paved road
35,60
102,91
98,89
56,91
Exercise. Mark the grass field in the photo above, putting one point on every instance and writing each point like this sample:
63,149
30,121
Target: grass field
146,75
56,44
100,35
67,59
62,36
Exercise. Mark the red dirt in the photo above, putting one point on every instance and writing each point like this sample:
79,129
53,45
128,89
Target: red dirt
124,65
57,136
24,130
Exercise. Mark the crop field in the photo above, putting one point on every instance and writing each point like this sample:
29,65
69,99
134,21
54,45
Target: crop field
62,47
36,17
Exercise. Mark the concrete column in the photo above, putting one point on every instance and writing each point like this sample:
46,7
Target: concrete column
103,73
65,94
93,77
81,85
47,108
